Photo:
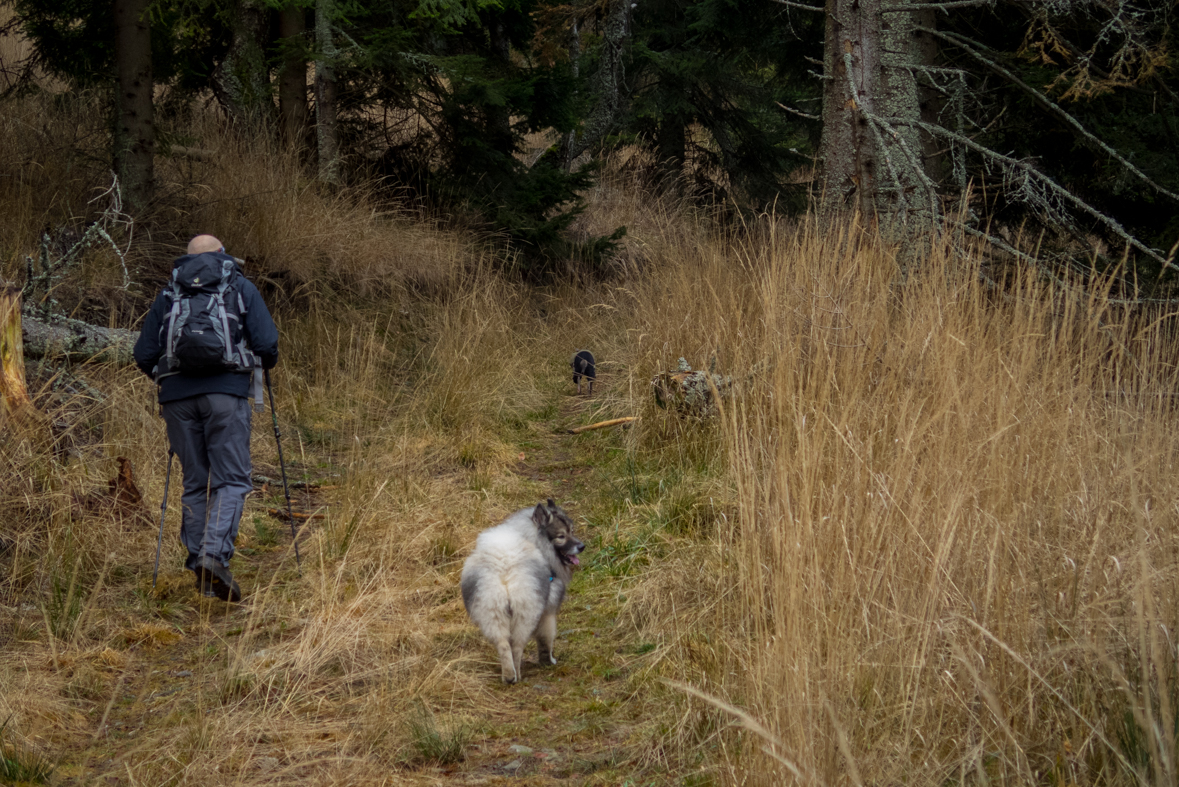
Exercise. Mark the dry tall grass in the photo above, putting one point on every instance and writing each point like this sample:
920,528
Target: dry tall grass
954,552
930,538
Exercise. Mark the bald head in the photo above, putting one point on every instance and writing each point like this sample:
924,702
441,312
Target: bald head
203,243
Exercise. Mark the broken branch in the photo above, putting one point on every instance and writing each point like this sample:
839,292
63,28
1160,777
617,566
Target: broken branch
602,424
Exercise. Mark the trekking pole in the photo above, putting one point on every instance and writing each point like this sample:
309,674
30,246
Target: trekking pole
286,490
163,508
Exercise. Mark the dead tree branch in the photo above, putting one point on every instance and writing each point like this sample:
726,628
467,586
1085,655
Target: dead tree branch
1031,175
1044,102
801,6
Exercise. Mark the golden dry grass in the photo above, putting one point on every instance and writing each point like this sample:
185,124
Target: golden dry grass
953,555
929,538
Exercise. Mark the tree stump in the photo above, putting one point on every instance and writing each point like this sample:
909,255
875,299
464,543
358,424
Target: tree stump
14,394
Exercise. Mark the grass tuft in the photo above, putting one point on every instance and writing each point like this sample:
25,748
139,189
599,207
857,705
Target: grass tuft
20,764
431,743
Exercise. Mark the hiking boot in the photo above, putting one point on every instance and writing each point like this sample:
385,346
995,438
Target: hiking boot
215,580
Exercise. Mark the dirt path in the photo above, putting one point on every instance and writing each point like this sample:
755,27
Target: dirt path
574,722
579,722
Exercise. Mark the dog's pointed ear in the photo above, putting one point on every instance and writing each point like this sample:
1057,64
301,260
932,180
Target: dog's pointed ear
540,516
552,506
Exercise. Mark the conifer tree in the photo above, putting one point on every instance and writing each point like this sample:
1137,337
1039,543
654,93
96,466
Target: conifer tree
134,138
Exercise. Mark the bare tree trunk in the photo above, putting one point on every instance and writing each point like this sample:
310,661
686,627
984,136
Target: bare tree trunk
610,92
292,78
499,118
575,61
13,392
242,79
326,127
869,165
849,160
134,148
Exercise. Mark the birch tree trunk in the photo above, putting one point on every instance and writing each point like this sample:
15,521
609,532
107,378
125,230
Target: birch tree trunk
292,77
134,142
326,127
871,166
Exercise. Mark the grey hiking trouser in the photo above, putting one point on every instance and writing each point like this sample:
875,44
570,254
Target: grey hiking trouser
210,434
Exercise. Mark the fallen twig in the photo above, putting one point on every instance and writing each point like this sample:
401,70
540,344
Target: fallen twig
311,486
603,424
278,513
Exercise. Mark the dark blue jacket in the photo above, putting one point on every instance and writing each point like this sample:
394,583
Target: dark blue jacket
257,327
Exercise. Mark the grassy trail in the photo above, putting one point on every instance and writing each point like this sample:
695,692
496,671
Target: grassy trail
190,660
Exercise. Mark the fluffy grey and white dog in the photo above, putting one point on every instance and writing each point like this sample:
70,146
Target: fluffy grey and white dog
515,580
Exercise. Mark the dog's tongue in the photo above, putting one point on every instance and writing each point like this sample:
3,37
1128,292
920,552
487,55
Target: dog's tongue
573,560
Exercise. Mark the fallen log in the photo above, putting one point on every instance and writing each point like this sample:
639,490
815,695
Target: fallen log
603,424
55,336
310,486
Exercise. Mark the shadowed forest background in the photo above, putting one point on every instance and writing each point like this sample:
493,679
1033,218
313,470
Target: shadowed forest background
912,517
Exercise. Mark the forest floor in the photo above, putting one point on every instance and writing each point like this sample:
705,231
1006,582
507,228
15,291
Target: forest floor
181,660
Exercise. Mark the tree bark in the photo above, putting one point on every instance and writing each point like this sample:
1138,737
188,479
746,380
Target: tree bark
242,79
870,60
610,92
134,148
14,394
327,130
292,77
74,339
575,62
499,119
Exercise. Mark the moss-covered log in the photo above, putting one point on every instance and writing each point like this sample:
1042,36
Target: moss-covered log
77,340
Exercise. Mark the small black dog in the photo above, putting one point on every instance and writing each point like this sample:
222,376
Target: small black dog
583,366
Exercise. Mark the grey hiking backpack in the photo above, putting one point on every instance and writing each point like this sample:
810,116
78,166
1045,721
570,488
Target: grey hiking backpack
202,333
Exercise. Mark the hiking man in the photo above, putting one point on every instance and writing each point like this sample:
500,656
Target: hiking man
207,337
